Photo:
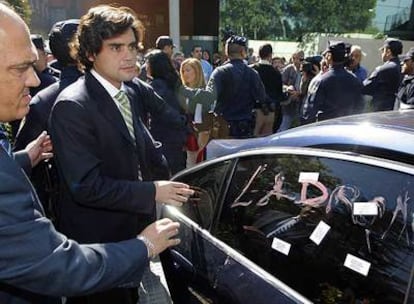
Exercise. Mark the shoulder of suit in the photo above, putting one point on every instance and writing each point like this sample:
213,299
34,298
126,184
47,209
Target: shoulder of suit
139,84
74,91
46,94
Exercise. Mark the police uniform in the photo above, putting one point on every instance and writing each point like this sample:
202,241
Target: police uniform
335,93
237,88
405,95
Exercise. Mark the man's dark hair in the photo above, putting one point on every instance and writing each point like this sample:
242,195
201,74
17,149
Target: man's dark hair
101,23
196,46
235,45
394,45
265,50
60,37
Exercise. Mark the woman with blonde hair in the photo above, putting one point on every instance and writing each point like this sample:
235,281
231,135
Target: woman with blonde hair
198,107
191,73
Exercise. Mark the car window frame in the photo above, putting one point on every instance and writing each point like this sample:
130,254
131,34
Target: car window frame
304,151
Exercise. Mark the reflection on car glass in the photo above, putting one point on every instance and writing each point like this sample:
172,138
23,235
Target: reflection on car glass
200,204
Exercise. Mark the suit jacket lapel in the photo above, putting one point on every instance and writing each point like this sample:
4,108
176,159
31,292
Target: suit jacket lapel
106,105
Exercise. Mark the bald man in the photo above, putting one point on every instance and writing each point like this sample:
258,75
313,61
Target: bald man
38,264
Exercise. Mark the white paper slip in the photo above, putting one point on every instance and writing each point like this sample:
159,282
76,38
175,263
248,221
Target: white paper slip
365,208
356,264
198,117
319,232
281,246
312,176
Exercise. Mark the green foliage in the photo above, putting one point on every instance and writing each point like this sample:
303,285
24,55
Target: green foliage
256,19
22,7
292,19
330,16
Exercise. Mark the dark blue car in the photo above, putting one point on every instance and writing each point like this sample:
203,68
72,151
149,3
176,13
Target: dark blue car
299,225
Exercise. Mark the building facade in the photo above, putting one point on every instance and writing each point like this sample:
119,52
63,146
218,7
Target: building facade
186,21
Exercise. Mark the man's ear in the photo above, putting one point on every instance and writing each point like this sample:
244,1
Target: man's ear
91,57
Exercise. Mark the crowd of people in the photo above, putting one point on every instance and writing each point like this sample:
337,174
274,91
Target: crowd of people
120,123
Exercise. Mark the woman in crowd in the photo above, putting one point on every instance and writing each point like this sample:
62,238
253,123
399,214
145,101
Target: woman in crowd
166,83
206,56
198,108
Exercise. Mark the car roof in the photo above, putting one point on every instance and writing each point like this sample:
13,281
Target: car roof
390,133
402,120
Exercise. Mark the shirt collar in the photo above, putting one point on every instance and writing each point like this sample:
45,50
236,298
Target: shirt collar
264,61
109,87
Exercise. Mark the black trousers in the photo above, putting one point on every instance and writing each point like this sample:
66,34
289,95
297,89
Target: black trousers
241,128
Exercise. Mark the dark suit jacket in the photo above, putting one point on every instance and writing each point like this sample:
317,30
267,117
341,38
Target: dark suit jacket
383,85
35,259
44,176
153,104
36,120
101,199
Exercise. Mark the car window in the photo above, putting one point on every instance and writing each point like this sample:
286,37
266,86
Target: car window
334,230
207,183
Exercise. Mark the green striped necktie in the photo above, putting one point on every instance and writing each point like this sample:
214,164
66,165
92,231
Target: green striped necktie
125,109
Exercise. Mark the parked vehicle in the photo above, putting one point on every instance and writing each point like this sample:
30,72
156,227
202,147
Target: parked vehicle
387,135
294,225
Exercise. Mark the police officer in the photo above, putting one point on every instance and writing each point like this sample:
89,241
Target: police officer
42,70
236,88
405,95
336,93
384,81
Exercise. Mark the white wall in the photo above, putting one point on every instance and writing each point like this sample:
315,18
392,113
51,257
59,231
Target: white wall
369,46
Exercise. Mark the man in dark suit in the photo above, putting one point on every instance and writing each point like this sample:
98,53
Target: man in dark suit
104,155
384,81
35,260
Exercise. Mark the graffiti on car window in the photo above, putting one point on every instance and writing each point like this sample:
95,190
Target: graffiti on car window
342,198
279,192
315,201
347,195
401,206
256,173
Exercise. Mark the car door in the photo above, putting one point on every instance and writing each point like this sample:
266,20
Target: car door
297,224
202,269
